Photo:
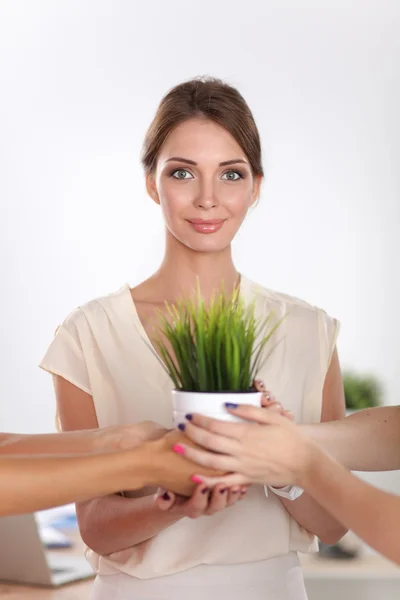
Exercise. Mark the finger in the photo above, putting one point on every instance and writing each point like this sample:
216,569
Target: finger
209,440
165,500
219,462
229,430
234,495
218,499
227,480
243,491
198,503
259,415
259,385
267,399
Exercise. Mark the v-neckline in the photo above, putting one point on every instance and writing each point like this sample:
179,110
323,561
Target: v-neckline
243,293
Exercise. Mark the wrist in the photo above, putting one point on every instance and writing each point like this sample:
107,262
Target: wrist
135,468
312,465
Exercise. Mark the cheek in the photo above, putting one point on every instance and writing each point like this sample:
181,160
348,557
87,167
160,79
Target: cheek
236,199
174,198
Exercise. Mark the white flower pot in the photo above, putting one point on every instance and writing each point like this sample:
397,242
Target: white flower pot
210,404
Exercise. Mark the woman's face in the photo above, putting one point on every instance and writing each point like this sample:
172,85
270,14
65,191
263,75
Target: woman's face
204,184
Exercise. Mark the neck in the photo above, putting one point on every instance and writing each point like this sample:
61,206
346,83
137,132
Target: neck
182,267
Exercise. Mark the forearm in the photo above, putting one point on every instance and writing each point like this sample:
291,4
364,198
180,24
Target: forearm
371,513
36,483
367,440
115,523
315,518
74,442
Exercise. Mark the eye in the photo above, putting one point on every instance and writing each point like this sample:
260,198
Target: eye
232,176
181,174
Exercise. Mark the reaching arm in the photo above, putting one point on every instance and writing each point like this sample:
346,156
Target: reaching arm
80,442
36,483
371,513
368,440
75,442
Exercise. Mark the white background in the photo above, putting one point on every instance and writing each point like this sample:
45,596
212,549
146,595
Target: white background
80,82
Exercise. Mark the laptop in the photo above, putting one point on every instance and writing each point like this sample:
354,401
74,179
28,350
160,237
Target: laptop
25,560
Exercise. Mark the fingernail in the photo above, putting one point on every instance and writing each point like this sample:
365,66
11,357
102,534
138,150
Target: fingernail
189,417
261,383
196,479
178,449
231,405
165,496
222,491
181,426
204,491
267,396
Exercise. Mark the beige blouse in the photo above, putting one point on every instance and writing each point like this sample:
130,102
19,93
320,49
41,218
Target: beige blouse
103,349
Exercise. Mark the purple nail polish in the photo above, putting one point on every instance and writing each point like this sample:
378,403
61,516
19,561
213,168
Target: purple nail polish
165,496
189,417
222,491
181,426
205,491
231,405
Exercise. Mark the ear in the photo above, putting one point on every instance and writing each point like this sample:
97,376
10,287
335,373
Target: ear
152,188
256,190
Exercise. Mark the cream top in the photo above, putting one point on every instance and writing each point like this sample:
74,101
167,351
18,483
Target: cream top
103,349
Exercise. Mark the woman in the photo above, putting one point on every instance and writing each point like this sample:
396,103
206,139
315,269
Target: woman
203,167
283,453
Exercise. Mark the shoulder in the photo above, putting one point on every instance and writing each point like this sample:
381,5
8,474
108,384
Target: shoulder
98,309
298,310
283,302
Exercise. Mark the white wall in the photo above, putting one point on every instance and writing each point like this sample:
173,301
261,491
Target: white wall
80,81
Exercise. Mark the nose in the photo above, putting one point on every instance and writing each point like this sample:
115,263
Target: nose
206,197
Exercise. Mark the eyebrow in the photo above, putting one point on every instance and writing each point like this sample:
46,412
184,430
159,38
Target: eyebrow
222,164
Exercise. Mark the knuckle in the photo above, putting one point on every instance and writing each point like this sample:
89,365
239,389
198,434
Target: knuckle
213,427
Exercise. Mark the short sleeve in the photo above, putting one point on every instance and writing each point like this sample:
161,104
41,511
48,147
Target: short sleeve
328,331
329,328
65,357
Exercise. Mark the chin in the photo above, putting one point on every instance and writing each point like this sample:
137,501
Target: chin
207,243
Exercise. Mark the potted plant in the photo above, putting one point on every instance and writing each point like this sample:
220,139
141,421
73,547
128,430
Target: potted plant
213,353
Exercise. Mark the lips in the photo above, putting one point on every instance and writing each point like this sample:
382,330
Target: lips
206,225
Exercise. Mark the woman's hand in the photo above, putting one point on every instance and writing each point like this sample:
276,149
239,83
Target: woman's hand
269,401
268,449
175,473
204,501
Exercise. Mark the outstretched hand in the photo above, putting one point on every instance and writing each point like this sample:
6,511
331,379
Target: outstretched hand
267,449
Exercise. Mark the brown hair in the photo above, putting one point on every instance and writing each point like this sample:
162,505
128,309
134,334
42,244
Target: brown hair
206,98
